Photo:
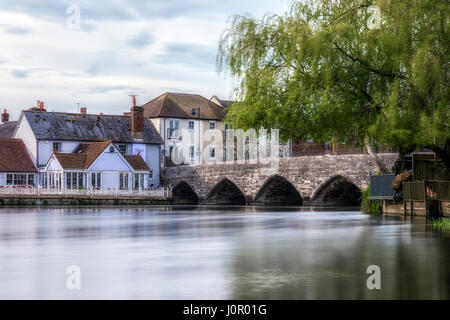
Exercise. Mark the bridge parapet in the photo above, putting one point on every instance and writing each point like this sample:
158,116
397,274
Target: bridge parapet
309,175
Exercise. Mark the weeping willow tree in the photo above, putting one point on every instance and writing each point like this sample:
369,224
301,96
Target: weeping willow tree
370,72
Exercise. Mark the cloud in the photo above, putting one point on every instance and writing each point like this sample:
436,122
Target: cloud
17,30
123,46
20,73
142,40
188,54
106,89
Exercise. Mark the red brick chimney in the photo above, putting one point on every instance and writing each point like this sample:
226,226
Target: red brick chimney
83,110
137,120
5,116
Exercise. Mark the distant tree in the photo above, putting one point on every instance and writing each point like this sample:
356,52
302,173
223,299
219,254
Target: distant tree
334,69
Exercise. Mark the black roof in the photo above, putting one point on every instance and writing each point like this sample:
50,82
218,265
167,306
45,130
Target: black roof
7,129
86,127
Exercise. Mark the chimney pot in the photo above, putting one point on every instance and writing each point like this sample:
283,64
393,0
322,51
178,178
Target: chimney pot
5,116
83,110
41,105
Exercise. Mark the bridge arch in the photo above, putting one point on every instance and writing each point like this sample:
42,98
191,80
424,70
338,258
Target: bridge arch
183,193
225,192
338,190
278,191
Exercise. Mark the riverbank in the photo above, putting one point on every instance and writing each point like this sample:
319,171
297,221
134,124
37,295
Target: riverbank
32,200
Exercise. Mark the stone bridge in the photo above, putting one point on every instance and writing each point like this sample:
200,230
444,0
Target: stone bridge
325,179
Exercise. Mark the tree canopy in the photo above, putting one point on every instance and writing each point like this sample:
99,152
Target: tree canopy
330,69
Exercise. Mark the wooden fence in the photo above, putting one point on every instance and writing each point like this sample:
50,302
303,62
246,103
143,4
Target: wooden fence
430,193
426,190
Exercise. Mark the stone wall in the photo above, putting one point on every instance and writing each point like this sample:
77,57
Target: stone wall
307,174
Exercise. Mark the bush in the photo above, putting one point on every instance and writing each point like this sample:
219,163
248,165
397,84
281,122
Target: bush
370,206
443,223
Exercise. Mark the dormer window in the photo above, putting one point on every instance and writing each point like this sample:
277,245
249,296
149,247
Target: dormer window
122,148
56,146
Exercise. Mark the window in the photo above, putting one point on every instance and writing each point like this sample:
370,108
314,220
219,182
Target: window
212,153
96,180
173,128
20,179
56,146
31,179
123,148
191,152
138,181
141,180
9,179
150,176
212,125
191,125
69,180
112,149
123,181
74,180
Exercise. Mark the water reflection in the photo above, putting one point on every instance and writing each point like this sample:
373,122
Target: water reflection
232,253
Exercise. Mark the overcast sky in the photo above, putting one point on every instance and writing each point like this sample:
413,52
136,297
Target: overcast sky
122,47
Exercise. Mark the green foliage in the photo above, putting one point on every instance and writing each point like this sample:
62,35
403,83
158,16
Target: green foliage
370,206
443,223
319,72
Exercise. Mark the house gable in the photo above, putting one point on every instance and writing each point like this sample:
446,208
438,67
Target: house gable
53,165
110,161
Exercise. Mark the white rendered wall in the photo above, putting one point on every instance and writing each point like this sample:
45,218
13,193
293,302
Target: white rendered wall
45,149
153,162
25,133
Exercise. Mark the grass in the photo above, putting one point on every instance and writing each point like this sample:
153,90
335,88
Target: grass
443,223
370,206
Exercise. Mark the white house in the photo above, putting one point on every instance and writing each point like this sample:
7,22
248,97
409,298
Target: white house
45,133
96,165
183,120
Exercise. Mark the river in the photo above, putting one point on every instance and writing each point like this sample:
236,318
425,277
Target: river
226,253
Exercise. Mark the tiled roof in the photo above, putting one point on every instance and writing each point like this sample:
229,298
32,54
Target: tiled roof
180,105
92,150
14,156
86,127
136,162
7,129
71,160
86,153
83,156
224,103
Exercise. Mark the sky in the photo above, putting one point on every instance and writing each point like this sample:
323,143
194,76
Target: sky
115,48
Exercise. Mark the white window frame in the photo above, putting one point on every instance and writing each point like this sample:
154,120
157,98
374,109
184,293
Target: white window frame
192,155
59,144
215,125
189,125
121,146
176,133
209,152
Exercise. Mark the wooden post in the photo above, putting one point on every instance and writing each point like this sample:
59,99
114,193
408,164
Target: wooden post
425,198
404,207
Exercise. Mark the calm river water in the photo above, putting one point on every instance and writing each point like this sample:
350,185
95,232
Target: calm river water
231,253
